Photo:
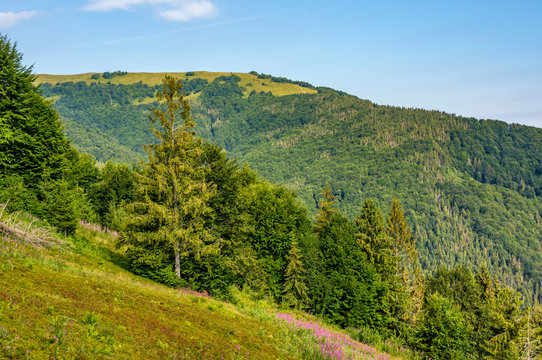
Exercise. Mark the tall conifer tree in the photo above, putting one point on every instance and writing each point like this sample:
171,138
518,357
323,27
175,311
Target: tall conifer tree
326,210
32,141
173,194
374,240
408,269
295,289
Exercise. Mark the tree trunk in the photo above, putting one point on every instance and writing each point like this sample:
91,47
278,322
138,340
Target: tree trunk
177,261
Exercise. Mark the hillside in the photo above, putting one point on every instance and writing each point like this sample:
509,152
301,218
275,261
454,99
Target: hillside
471,188
69,298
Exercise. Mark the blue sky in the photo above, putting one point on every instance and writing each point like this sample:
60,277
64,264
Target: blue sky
473,58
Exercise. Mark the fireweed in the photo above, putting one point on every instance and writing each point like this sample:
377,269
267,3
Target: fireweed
333,344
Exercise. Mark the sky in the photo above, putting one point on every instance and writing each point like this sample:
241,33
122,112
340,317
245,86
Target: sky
476,58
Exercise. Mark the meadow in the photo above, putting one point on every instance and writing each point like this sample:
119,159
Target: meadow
69,298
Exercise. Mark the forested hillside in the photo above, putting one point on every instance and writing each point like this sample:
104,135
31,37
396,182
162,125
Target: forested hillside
470,188
190,216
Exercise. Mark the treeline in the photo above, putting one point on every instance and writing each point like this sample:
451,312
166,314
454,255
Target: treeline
81,96
282,80
469,187
192,216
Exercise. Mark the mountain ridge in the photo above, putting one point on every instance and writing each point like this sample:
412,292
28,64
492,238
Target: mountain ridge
471,188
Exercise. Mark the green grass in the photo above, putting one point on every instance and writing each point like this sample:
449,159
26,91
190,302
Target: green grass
249,81
74,301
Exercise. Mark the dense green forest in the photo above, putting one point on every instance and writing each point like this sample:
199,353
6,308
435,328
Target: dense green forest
190,215
471,188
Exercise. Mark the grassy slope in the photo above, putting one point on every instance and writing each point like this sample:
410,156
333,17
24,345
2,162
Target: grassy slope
76,303
248,81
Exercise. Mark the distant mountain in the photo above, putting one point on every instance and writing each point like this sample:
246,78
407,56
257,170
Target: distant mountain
471,188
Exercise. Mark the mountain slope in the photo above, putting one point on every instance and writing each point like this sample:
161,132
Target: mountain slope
70,299
471,188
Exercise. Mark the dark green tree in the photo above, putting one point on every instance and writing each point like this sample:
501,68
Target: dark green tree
443,331
379,248
350,292
40,171
271,220
62,205
113,187
493,312
32,142
294,292
375,241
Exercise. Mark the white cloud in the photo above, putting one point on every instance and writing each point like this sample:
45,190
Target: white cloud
178,10
110,5
8,19
190,10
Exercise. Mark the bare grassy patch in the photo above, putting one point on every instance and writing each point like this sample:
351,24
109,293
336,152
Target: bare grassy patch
27,229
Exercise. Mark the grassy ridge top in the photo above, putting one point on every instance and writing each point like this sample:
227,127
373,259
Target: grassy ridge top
248,81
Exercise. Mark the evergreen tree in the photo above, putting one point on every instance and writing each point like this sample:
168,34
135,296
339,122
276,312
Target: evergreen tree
40,171
493,312
61,207
408,270
349,292
443,331
32,142
173,201
506,323
113,187
378,245
326,210
375,241
272,219
485,284
294,288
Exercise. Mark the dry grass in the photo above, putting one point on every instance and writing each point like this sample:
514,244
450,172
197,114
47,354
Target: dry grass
26,228
248,81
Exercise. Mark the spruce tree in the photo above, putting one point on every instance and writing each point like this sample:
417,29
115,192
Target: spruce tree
294,289
485,284
506,323
374,240
408,269
32,141
61,207
326,210
173,194
40,171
